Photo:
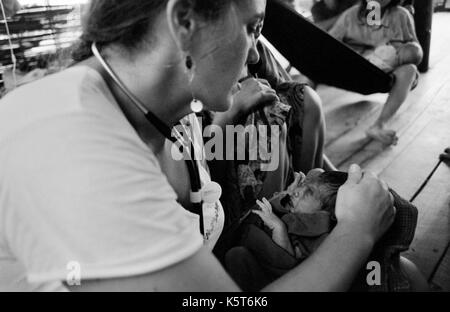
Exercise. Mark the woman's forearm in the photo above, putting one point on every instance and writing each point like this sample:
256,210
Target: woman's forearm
333,266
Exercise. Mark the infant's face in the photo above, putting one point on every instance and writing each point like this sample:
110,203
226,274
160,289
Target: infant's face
305,196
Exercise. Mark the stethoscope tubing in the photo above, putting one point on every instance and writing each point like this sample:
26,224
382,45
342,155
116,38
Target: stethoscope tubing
191,163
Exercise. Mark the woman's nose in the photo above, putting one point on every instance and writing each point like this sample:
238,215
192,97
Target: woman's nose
253,54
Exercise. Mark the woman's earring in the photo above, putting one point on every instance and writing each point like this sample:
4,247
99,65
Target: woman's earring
196,105
189,62
190,68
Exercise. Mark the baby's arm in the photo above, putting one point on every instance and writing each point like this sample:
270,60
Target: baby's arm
279,231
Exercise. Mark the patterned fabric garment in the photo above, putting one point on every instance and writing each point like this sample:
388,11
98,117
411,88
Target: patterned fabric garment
251,177
242,182
293,93
289,111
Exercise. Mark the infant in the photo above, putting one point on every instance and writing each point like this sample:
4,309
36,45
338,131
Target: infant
308,207
289,227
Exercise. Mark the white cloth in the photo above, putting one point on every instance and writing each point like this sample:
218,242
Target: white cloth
78,184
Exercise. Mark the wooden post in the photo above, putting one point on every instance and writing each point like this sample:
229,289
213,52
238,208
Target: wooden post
424,18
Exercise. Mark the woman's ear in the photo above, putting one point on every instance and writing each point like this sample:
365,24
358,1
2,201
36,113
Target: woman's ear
182,23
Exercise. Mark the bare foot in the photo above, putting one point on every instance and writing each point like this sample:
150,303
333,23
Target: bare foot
387,137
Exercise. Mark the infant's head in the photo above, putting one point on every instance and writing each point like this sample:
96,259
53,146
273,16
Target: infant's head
314,192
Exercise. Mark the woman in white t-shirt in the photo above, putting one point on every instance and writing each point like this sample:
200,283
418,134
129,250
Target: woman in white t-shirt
89,193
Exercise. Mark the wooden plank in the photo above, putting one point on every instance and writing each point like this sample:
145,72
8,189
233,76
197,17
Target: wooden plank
442,276
411,121
343,148
355,148
433,229
344,110
411,168
349,116
335,98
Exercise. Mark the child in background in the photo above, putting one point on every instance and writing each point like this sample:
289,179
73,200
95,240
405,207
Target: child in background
392,45
271,245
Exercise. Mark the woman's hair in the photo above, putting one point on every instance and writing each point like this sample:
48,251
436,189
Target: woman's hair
126,22
363,7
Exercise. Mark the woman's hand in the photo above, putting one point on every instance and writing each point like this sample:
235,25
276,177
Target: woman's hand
365,205
254,93
269,218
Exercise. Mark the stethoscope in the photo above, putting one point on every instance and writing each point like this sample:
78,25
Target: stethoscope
211,192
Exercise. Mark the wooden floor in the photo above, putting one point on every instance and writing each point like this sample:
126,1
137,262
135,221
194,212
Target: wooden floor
412,167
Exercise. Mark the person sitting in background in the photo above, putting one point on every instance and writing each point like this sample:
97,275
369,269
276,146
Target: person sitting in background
326,12
392,45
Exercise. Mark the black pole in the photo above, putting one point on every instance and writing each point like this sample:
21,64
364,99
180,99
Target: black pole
424,20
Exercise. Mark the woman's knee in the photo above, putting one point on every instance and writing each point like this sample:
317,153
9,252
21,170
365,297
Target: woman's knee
410,53
313,106
408,72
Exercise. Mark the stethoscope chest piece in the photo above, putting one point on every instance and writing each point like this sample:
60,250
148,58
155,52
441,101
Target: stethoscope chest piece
211,192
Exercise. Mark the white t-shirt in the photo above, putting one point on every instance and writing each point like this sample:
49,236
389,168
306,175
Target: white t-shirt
77,185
